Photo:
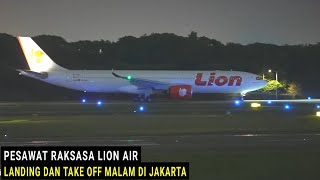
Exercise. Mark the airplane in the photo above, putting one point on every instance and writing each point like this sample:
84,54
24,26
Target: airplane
142,83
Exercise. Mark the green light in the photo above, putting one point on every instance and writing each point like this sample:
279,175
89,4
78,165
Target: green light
129,77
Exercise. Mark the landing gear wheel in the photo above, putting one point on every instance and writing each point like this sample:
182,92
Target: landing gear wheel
136,99
142,98
242,96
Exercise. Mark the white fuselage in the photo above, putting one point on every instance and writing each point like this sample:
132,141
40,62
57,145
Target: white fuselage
179,84
105,81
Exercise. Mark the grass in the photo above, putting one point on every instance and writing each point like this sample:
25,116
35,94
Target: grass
14,121
184,119
163,124
247,165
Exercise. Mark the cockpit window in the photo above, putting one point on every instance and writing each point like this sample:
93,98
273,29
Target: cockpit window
258,78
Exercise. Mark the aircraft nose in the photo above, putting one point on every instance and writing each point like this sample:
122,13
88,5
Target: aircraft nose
264,83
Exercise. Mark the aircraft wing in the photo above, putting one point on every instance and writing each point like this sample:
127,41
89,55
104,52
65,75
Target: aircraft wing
145,83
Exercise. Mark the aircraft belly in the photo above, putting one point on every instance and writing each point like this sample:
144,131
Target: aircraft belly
216,89
111,85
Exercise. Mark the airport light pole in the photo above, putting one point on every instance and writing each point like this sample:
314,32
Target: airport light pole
270,71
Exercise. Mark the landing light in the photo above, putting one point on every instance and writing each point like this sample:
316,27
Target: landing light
318,114
254,105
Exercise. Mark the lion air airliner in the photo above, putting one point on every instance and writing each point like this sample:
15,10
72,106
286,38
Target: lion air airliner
143,83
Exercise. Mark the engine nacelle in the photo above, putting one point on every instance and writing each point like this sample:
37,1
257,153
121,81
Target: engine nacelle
181,91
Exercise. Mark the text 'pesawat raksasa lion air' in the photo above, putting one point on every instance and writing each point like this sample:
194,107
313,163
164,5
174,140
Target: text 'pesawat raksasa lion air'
143,83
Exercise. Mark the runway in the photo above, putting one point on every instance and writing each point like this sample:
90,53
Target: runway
182,123
212,141
215,137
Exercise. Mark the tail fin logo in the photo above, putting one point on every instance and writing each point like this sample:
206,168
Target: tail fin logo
37,59
37,56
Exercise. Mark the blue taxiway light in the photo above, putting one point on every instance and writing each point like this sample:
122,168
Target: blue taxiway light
286,106
99,103
83,100
269,102
141,108
237,102
318,106
309,97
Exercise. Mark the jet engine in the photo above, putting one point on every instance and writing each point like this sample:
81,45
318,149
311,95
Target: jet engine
180,91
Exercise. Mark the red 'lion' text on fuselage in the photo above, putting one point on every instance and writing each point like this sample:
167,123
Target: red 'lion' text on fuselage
219,81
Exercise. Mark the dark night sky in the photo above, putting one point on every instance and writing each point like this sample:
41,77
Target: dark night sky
243,21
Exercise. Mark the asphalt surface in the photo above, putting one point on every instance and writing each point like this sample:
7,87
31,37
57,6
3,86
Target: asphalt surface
217,142
221,140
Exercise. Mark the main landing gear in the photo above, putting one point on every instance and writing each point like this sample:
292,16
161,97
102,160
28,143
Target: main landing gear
143,98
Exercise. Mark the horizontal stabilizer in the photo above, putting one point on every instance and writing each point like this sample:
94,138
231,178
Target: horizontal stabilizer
42,75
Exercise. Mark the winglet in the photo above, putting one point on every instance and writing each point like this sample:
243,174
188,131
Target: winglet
122,77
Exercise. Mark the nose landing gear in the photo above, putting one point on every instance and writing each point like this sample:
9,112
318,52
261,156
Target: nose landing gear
243,94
